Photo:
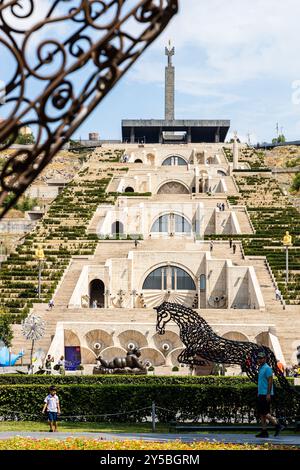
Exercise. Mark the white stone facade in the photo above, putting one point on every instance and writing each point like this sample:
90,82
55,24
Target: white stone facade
151,249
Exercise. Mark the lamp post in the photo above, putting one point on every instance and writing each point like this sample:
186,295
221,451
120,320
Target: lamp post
40,257
287,242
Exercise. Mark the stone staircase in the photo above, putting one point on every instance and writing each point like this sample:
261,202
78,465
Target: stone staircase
96,223
69,281
243,220
114,185
231,189
103,252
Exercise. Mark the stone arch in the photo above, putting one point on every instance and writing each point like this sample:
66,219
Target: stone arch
174,160
165,279
87,356
172,358
96,293
165,217
132,336
138,160
129,189
71,338
117,228
170,338
235,336
173,187
263,339
98,337
152,355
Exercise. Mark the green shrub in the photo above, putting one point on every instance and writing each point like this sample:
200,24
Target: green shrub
124,403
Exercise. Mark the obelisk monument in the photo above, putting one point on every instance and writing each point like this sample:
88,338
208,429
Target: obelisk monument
170,85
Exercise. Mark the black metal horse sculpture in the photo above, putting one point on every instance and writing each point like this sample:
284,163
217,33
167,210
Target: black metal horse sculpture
202,343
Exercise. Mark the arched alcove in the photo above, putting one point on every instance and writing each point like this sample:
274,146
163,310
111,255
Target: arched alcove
173,187
96,290
171,223
235,336
169,278
174,160
117,228
263,339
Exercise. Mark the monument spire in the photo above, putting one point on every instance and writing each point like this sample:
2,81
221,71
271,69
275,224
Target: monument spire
170,84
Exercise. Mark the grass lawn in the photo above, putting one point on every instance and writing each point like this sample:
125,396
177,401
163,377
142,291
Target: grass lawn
80,427
41,426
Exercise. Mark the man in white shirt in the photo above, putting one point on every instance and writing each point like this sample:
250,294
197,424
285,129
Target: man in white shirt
53,408
278,294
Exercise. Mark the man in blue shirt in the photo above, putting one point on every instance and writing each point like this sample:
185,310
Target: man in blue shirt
264,396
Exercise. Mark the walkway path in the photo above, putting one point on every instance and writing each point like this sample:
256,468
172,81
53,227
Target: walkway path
152,437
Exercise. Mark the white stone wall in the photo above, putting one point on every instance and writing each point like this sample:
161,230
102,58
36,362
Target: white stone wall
42,192
139,217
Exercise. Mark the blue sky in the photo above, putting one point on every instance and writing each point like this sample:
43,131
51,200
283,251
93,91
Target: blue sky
235,59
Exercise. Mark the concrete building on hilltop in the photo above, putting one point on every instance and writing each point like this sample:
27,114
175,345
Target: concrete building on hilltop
171,130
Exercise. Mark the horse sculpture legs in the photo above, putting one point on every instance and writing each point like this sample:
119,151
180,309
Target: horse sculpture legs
185,357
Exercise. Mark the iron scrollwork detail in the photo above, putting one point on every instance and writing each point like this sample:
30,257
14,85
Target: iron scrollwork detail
64,57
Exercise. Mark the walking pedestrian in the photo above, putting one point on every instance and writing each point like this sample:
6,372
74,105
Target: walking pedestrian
51,304
135,243
61,364
234,248
278,294
223,206
230,243
52,406
211,246
265,393
48,364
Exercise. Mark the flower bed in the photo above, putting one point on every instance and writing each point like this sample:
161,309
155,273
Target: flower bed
21,443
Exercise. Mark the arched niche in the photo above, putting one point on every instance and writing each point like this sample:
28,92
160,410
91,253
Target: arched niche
173,187
96,292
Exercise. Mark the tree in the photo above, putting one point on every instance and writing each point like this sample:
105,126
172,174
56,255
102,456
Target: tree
27,139
296,183
6,333
279,140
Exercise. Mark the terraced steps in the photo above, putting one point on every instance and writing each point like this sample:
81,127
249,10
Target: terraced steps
61,234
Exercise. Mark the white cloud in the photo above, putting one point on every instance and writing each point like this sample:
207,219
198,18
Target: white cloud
229,42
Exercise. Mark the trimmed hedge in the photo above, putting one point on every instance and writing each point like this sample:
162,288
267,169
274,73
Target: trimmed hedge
127,403
15,379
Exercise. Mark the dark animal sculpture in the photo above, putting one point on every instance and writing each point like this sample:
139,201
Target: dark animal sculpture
202,343
131,361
